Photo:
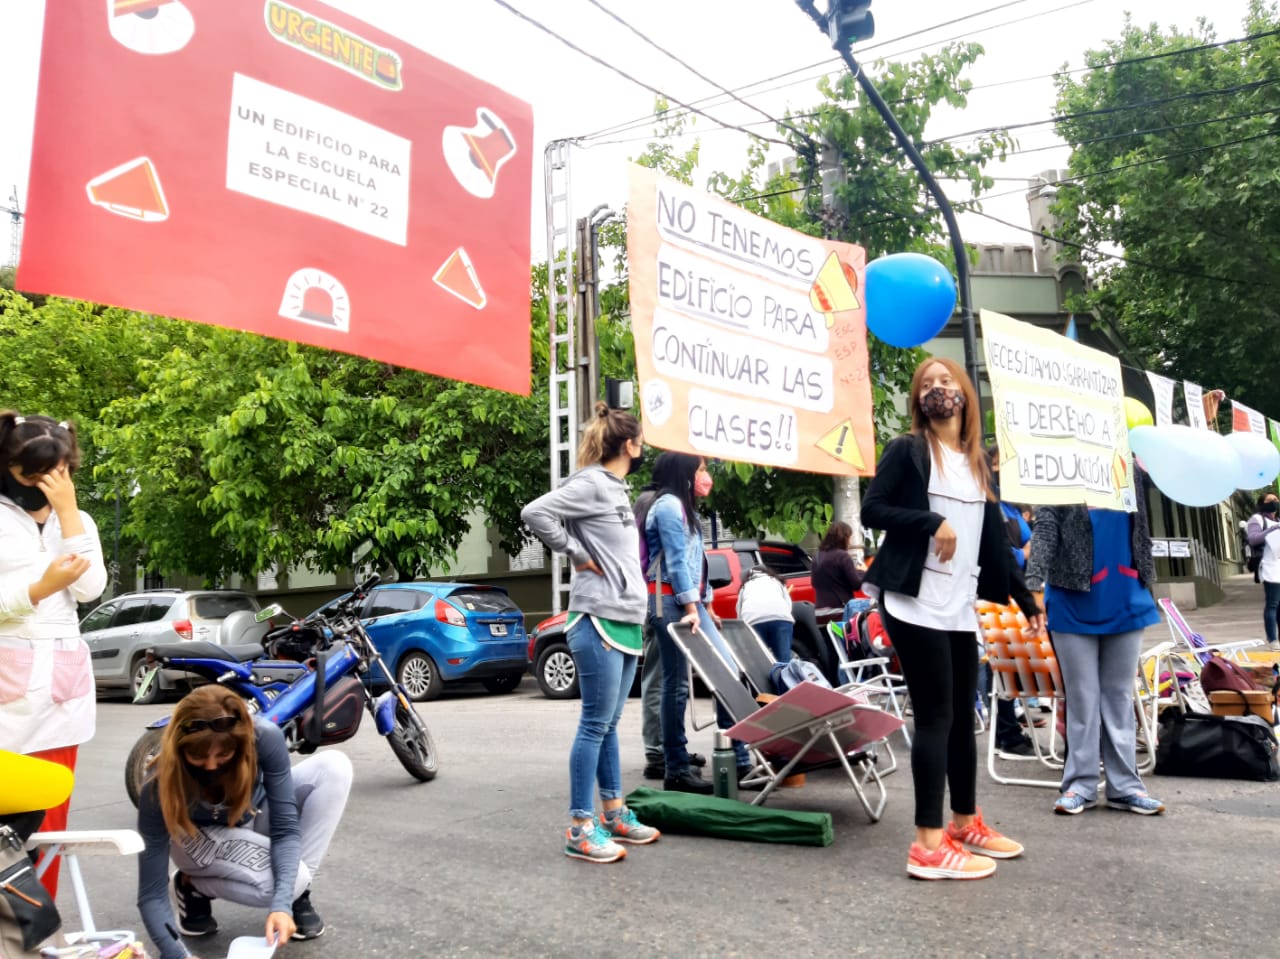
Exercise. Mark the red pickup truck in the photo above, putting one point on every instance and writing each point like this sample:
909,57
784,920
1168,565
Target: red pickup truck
549,657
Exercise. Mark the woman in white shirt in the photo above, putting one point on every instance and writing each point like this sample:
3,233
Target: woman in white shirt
50,560
764,604
944,546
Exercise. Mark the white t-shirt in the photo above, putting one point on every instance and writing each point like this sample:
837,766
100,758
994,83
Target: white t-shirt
763,598
948,591
1269,567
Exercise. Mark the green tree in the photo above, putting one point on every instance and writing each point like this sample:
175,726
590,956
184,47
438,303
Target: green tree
1175,155
234,453
881,207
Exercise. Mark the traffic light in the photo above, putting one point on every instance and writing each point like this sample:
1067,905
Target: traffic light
849,22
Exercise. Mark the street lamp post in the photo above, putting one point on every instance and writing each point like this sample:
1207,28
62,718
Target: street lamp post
849,20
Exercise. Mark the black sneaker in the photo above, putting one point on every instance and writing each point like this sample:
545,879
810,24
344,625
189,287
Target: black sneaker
1019,747
655,768
195,911
305,917
688,782
697,759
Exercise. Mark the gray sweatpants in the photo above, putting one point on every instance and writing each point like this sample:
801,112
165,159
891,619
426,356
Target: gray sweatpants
651,697
1099,673
240,871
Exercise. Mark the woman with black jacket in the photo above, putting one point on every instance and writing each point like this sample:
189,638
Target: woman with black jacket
944,547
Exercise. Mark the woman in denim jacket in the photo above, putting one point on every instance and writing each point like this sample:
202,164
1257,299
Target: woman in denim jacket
679,593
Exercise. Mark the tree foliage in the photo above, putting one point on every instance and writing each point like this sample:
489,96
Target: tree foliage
234,453
880,205
1177,163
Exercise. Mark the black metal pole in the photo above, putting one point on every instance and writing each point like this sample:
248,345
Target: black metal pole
968,325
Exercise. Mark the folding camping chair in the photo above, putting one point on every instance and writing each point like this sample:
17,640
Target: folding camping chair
1022,668
73,844
805,728
1191,643
750,652
869,671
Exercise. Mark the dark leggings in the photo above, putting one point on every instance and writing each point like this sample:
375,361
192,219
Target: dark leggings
941,670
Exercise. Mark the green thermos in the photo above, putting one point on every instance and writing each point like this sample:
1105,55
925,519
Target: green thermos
724,767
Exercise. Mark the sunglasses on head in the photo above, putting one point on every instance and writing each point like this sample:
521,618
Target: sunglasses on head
221,724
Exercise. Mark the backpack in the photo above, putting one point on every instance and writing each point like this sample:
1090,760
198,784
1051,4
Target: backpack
791,674
641,511
1220,673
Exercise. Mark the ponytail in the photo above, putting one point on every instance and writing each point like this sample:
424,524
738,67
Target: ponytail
605,435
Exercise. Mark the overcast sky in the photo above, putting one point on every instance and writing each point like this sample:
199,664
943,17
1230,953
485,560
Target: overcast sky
732,43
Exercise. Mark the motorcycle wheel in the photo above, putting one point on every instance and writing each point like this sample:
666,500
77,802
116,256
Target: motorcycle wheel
411,741
135,767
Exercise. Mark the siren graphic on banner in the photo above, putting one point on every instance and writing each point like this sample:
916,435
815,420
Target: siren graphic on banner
750,338
290,171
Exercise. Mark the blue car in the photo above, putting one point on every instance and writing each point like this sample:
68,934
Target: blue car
436,633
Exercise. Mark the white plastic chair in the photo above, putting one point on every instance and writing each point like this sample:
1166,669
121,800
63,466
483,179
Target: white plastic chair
73,844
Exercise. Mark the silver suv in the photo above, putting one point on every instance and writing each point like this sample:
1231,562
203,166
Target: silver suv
120,631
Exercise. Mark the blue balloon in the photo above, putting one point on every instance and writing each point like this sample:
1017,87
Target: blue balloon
1193,467
909,297
1259,459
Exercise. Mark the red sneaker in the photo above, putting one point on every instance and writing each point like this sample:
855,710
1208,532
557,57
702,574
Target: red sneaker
948,861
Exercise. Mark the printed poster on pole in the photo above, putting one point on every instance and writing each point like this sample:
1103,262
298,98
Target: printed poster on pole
1060,419
751,339
279,167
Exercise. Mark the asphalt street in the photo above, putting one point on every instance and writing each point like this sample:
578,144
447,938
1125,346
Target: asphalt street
471,864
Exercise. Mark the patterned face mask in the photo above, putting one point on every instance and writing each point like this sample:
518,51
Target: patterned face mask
941,404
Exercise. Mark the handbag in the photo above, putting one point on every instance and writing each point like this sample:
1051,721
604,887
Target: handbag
28,916
1216,747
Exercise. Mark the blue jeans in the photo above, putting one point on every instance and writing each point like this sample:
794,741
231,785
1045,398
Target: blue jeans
776,634
675,687
604,678
1270,608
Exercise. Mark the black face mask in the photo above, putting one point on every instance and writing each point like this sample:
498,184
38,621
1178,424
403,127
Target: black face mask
1269,507
203,777
30,498
636,462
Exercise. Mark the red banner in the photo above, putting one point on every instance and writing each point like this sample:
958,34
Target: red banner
282,168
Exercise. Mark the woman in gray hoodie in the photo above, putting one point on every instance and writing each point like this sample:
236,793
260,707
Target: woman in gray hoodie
589,517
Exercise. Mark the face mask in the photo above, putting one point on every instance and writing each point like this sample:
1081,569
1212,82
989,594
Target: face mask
1270,507
702,484
941,404
203,777
636,462
30,498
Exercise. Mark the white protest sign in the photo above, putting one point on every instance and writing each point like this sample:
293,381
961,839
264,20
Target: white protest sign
1195,405
1162,387
1060,419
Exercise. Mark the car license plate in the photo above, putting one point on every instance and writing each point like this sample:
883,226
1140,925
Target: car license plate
146,685
497,629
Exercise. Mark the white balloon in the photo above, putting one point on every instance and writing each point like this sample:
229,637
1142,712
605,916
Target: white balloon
1259,459
1193,467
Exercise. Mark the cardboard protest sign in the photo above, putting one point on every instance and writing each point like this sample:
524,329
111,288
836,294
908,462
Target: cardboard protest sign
282,168
1060,420
751,340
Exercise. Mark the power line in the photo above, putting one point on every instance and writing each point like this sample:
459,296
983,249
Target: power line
622,73
1105,111
699,74
642,121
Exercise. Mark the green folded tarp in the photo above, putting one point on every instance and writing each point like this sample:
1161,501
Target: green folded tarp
728,818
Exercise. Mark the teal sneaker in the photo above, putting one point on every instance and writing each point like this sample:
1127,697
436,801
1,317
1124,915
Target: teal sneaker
623,826
592,844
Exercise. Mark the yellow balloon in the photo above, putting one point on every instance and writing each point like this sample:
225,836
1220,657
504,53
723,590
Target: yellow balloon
31,784
1136,413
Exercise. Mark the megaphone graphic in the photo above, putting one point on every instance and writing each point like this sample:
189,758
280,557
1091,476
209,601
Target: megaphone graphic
131,189
835,289
153,27
458,276
476,154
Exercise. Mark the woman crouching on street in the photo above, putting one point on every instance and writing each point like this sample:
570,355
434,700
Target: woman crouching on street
239,823
589,517
945,545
